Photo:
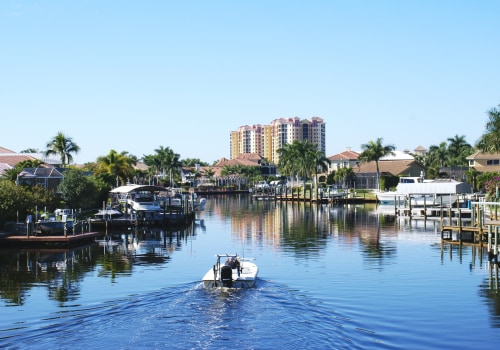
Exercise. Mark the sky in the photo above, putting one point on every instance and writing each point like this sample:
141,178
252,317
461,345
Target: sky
136,75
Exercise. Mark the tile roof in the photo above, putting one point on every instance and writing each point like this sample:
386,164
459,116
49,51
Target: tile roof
483,155
14,158
5,150
346,155
394,167
245,159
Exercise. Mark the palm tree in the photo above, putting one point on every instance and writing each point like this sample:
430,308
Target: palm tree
63,146
287,155
458,150
172,163
317,160
437,158
344,175
472,176
373,151
11,174
117,166
301,159
490,141
30,163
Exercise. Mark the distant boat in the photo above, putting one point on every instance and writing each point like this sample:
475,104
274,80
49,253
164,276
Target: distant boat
334,192
110,217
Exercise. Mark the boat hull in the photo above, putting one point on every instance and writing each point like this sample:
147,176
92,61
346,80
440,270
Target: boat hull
54,227
390,197
245,279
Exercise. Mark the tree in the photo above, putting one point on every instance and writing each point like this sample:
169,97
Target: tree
458,151
116,167
164,161
344,176
14,201
373,151
29,150
80,191
30,163
439,157
287,154
302,159
472,176
490,140
11,174
63,146
317,160
193,162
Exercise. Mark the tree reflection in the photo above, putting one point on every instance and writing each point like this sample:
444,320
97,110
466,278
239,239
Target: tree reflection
62,270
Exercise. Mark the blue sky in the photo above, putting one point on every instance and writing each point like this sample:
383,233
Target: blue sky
135,75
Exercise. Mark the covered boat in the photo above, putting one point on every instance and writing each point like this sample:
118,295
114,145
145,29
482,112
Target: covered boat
231,271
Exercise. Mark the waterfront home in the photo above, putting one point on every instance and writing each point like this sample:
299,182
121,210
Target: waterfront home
484,162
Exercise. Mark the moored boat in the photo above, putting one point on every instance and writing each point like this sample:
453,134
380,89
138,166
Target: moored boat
431,192
61,222
231,271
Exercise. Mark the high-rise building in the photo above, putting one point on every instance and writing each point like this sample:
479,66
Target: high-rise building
266,140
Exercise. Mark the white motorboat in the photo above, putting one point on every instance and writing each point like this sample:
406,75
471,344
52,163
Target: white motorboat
231,271
108,214
390,197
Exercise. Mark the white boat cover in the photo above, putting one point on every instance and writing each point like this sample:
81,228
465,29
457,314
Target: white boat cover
435,187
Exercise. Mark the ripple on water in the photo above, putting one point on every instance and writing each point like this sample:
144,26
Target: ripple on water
190,316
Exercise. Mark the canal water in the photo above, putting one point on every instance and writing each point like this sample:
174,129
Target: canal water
331,277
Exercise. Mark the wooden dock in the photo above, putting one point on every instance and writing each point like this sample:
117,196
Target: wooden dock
25,241
464,234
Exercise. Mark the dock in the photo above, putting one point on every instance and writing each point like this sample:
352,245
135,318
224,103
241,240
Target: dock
56,241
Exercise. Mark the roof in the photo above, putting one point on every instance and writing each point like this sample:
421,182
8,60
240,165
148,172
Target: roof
394,167
244,159
137,188
14,158
346,155
483,155
45,172
5,150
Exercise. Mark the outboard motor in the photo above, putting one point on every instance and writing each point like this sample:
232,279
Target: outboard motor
203,201
226,275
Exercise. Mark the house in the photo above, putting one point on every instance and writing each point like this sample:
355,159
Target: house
9,159
484,162
49,177
420,151
244,159
346,159
391,168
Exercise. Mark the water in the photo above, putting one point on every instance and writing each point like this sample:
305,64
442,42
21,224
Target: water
330,278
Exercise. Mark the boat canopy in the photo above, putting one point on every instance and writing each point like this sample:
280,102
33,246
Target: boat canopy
137,188
435,187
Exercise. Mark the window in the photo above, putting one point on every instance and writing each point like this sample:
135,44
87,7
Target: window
493,162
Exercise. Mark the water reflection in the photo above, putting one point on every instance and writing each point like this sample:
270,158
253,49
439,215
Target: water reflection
61,271
300,230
